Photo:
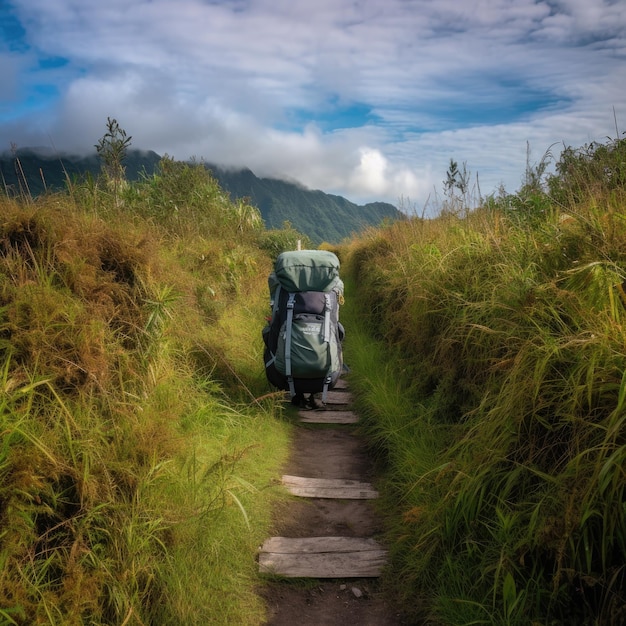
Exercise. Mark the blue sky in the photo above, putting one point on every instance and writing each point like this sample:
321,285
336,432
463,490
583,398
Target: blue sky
369,99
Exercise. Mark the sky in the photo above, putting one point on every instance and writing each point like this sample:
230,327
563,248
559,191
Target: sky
368,99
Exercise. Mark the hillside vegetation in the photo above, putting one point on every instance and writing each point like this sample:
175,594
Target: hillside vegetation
138,441
140,444
321,216
495,397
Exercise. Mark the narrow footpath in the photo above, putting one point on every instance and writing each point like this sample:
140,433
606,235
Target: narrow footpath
326,556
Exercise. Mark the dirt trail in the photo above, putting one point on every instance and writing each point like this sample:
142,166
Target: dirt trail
329,452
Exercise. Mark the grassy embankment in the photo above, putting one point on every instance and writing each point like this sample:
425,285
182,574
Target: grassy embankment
138,443
136,463
495,395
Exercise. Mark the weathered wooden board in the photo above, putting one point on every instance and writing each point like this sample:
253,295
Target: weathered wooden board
313,545
342,383
339,488
322,557
338,397
328,417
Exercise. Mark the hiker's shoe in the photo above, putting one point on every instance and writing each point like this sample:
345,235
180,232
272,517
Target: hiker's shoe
313,405
298,400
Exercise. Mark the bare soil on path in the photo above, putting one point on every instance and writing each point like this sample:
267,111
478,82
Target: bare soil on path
323,451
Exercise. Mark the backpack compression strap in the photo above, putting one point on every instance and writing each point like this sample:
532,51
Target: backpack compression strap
327,319
275,300
290,305
327,340
274,304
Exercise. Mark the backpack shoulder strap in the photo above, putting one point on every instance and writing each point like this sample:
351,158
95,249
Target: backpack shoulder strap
327,307
290,306
275,300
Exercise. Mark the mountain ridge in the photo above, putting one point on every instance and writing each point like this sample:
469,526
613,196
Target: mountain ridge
316,214
321,216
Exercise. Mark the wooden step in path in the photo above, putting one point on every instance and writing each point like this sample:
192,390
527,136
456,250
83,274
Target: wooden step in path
320,556
337,410
328,417
329,488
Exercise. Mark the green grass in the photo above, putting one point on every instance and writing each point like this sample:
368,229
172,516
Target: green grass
220,502
494,392
138,443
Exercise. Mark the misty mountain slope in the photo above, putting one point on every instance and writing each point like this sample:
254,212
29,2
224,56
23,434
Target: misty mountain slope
44,170
318,215
321,216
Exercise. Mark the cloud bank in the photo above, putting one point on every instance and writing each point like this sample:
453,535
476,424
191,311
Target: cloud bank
367,99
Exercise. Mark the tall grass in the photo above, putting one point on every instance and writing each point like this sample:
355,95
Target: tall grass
506,335
139,445
137,461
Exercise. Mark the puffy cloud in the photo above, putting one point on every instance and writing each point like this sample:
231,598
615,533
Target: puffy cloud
367,99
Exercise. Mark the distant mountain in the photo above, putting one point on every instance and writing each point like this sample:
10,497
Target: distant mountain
44,170
320,216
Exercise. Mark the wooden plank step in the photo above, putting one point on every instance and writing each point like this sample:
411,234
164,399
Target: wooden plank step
341,383
328,417
322,557
338,397
339,488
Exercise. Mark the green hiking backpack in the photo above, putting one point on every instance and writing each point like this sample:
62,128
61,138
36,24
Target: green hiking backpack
303,351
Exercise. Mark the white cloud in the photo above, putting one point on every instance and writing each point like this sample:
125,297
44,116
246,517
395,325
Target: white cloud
254,83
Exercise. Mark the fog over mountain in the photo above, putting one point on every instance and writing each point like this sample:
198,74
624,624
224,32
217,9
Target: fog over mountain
320,216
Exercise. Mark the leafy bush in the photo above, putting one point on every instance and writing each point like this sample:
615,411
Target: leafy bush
123,454
506,331
594,169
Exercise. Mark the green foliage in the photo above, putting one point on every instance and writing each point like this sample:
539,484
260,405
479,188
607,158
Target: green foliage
134,443
185,200
531,204
504,446
276,241
594,169
112,149
456,188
